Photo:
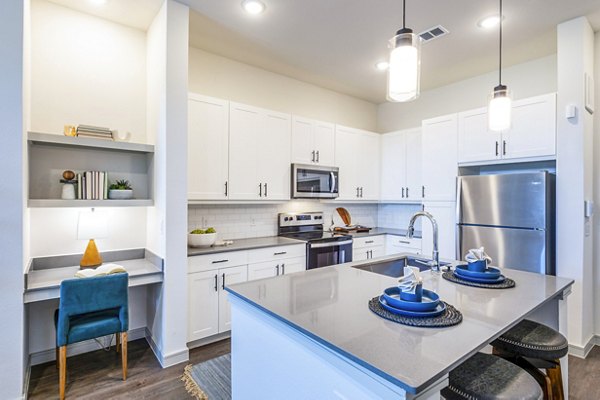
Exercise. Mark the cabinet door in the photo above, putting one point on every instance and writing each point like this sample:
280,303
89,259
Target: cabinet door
262,270
291,265
475,141
360,254
533,130
208,148
245,125
303,140
274,156
203,304
346,157
378,251
393,166
445,216
325,143
229,276
440,165
367,159
414,151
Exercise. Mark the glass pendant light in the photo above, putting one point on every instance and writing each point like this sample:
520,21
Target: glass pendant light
405,64
500,103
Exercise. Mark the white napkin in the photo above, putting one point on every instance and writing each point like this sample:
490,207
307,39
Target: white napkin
410,280
477,255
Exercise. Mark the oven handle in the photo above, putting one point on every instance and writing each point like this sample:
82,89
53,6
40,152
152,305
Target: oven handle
329,244
333,182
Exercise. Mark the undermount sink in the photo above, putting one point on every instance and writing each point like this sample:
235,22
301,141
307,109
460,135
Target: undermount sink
395,268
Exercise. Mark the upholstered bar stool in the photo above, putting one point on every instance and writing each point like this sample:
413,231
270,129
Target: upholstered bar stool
534,346
488,377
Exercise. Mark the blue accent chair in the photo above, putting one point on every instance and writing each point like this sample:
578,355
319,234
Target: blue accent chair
90,308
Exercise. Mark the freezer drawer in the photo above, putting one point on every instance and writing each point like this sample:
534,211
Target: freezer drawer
515,200
521,249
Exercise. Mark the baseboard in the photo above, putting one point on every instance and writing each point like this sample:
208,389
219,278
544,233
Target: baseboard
208,340
582,352
166,360
79,348
26,380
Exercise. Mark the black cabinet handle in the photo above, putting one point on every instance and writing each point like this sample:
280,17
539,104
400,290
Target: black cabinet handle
369,241
361,191
403,241
402,192
277,269
260,189
282,269
223,283
317,155
280,253
407,193
423,191
504,147
216,283
219,261
226,189
313,156
266,192
496,148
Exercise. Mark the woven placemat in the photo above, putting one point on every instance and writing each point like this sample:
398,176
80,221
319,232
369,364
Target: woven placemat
450,317
507,284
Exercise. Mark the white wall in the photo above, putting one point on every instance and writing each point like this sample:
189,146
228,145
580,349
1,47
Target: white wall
574,144
12,198
524,80
86,70
216,76
596,264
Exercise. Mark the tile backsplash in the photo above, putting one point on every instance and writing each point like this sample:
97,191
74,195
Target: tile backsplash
258,220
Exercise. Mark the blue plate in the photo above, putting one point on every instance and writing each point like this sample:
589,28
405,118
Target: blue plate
498,280
429,302
490,272
439,310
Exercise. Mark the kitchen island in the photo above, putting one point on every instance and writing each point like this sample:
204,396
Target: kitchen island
311,335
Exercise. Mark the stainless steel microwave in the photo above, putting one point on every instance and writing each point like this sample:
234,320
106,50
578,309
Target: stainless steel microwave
314,182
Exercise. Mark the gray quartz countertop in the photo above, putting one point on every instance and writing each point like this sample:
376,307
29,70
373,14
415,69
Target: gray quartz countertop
409,357
245,244
385,231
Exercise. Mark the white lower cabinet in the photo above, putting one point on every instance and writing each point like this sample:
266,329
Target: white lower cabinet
401,244
367,248
269,269
445,216
208,309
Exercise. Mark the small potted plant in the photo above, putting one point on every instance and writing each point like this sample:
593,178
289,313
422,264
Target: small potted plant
120,190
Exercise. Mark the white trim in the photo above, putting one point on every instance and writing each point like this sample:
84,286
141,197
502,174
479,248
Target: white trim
167,360
78,348
208,340
582,352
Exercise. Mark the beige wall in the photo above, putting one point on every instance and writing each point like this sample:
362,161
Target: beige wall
524,80
216,76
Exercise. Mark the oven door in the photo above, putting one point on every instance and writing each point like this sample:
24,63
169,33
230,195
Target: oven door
323,254
310,181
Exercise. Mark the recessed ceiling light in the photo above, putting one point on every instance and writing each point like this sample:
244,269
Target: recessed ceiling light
382,65
489,22
253,7
98,2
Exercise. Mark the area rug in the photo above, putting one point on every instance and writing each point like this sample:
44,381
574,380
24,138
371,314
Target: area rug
209,380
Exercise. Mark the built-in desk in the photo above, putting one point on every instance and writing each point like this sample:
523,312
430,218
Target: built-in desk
44,274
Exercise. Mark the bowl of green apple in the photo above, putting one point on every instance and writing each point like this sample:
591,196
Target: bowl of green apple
202,237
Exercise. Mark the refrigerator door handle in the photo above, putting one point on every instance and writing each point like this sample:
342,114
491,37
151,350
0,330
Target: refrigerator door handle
458,218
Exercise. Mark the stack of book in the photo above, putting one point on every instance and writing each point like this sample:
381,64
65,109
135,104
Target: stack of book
92,185
97,132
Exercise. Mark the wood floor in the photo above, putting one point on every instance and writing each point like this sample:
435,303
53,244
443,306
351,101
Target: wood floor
97,375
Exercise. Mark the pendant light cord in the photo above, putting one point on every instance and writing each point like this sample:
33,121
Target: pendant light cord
500,48
404,14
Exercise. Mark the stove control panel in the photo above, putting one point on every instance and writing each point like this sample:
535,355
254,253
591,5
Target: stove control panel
299,219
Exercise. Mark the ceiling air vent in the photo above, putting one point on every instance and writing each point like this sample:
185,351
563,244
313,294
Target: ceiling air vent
433,33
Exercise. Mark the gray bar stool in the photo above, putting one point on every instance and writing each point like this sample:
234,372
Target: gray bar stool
534,346
488,377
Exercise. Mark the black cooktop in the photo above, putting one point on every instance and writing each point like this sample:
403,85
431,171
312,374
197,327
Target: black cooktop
315,236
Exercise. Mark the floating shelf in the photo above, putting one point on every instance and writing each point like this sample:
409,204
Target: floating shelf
90,143
89,203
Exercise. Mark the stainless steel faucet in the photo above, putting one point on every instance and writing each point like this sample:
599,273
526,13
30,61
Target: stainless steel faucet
435,257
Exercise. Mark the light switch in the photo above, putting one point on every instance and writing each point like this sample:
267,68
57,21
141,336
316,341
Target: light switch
588,206
570,111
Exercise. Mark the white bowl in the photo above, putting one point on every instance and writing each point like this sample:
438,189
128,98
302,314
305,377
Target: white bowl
201,240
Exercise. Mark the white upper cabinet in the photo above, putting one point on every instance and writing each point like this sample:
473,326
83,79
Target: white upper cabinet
208,148
357,156
439,159
532,134
401,165
533,130
259,153
313,142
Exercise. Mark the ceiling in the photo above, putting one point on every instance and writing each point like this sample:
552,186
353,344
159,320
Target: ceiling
336,43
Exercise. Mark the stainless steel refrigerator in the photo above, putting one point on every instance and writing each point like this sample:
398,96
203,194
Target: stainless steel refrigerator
512,216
